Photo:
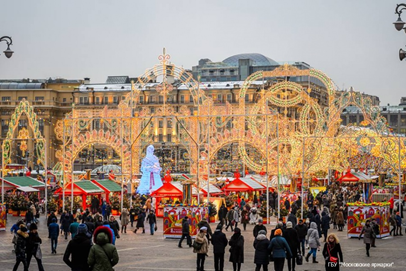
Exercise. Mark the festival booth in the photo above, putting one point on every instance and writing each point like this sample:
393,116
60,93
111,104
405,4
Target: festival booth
166,192
81,189
359,212
243,186
109,188
317,189
23,183
174,214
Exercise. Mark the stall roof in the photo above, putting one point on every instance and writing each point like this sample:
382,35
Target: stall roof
167,190
23,181
108,185
80,188
213,189
27,189
243,184
89,187
355,177
283,180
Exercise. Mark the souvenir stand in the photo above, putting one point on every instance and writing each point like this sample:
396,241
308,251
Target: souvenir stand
166,192
243,186
81,189
359,212
109,188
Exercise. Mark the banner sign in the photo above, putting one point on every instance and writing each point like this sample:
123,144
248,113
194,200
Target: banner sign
173,216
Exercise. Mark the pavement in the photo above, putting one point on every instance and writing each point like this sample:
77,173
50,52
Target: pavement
153,252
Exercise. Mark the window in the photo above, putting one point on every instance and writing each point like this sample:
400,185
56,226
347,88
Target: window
247,97
81,100
161,124
161,99
182,99
64,100
5,99
41,125
169,137
190,99
161,137
115,100
229,98
22,123
22,98
152,110
141,99
220,98
106,100
169,123
150,99
86,100
97,100
39,99
96,124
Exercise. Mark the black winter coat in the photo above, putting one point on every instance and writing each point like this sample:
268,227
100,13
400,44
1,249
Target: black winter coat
293,240
151,219
335,251
261,244
325,222
33,242
258,228
185,227
237,249
79,248
301,231
219,242
222,212
140,220
21,244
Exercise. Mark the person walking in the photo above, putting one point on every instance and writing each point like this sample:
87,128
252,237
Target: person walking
325,224
151,218
73,228
133,213
65,223
375,231
185,232
292,218
301,230
124,220
223,214
340,219
261,257
254,216
332,253
90,225
230,219
398,224
53,231
140,222
259,227
78,249
392,221
219,242
33,247
236,216
204,223
236,244
20,248
245,217
367,231
280,250
115,227
292,238
201,249
103,255
313,241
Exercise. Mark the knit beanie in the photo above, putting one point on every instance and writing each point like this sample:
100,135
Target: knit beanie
289,225
278,232
82,228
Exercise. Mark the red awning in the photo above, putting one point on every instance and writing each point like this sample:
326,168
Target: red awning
167,190
348,177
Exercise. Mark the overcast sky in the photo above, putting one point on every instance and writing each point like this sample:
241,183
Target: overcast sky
353,42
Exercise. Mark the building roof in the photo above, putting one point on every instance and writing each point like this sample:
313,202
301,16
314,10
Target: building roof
88,187
258,59
117,79
13,85
23,181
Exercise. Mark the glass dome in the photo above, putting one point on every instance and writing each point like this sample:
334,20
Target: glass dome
106,169
258,59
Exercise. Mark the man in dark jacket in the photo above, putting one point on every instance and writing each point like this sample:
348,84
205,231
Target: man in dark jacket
20,248
301,230
33,244
219,241
53,230
222,214
293,241
90,225
325,224
185,232
78,250
259,227
287,204
292,218
204,223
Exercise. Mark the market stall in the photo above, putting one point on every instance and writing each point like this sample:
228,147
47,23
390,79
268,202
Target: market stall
166,192
109,188
243,184
359,212
81,189
174,214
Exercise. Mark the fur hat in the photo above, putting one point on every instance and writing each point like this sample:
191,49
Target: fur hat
289,225
262,232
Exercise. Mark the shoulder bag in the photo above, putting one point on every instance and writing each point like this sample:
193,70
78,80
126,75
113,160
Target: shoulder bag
331,259
108,258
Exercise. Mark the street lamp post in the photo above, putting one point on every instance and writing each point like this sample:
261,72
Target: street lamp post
399,25
8,53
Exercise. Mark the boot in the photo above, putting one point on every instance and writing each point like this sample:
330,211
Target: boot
368,252
307,257
314,260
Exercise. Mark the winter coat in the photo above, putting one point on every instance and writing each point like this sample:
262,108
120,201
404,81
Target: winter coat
287,205
21,244
236,249
244,217
33,242
219,242
301,231
29,217
103,255
335,251
313,236
254,218
292,218
204,223
50,217
293,241
236,216
140,220
340,218
115,227
279,247
65,222
185,227
367,231
230,215
53,230
90,226
201,238
222,212
124,217
151,218
261,244
325,221
258,228
79,248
